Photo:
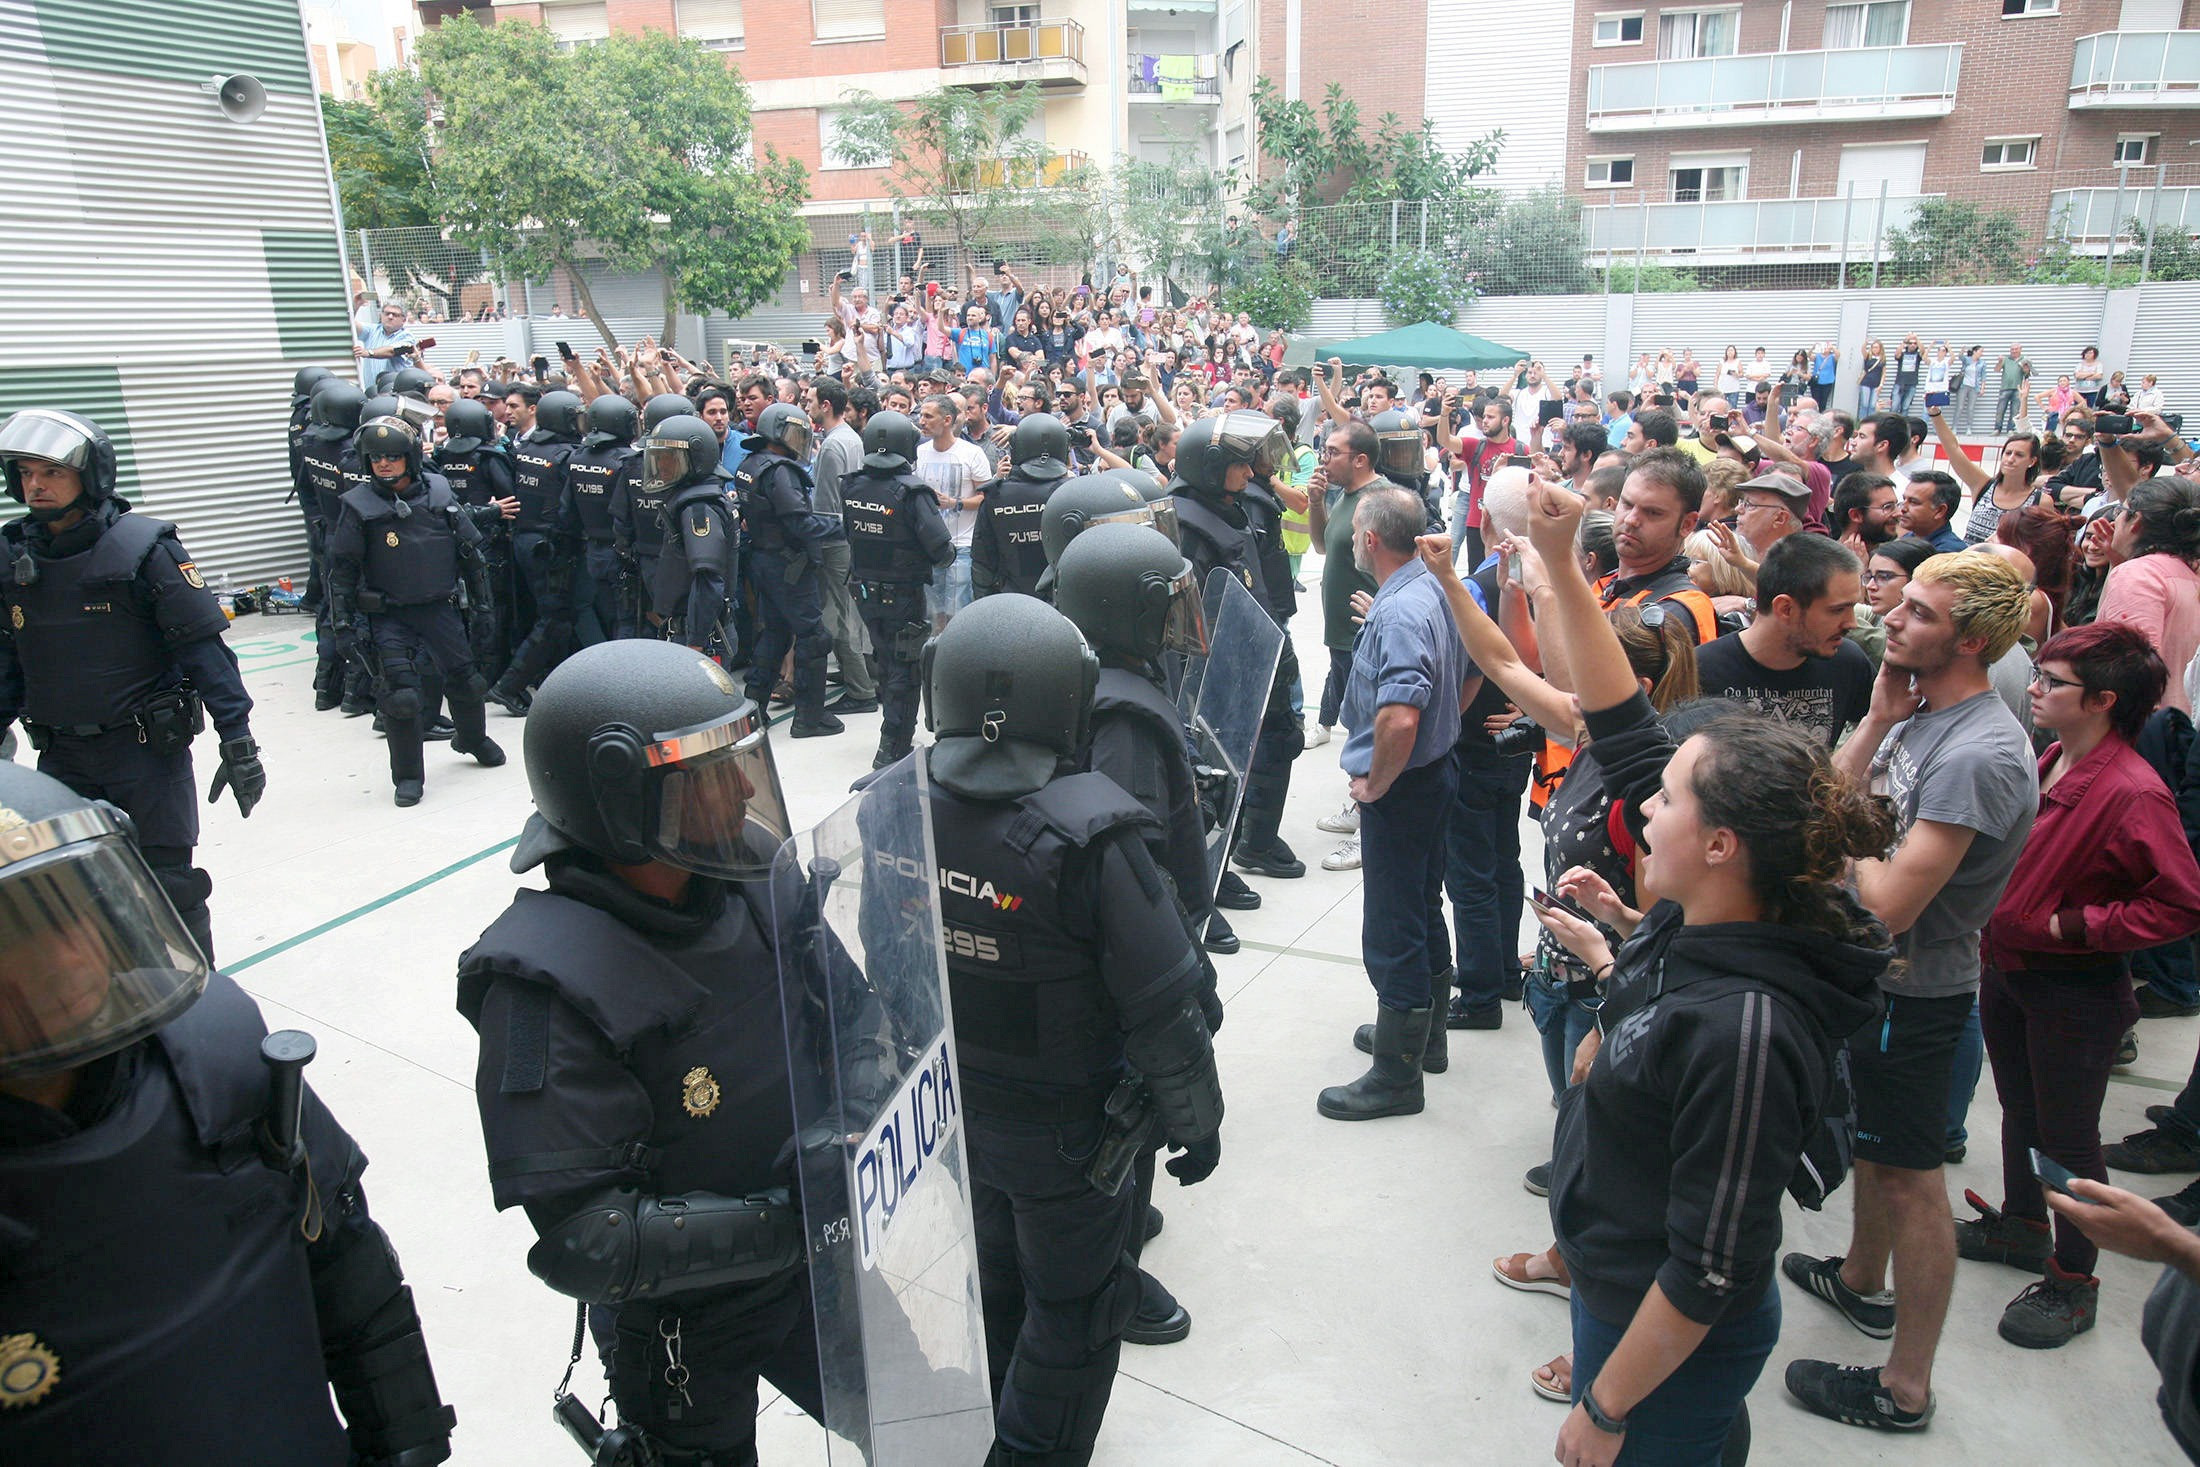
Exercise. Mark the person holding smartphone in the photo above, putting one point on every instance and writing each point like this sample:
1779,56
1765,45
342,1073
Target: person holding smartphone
2106,871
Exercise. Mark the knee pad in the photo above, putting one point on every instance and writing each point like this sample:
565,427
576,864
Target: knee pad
400,704
1056,1411
1116,1304
186,885
474,684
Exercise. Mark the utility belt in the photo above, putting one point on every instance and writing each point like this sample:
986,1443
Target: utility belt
374,603
1008,1101
166,724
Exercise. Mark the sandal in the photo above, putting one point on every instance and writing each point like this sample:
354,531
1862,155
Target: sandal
1555,1381
1517,1272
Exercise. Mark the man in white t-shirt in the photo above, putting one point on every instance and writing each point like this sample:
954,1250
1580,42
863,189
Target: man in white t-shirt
957,470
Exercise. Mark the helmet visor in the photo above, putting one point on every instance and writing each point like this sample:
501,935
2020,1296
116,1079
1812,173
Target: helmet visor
795,438
35,433
1159,514
1257,439
1186,628
1401,453
95,958
664,463
719,808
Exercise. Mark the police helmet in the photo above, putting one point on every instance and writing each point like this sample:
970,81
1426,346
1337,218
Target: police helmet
390,437
381,405
783,425
1096,499
308,378
92,956
609,419
470,426
889,441
680,451
411,382
1400,455
665,405
1008,696
1209,446
1131,591
639,750
558,416
1039,448
61,438
337,408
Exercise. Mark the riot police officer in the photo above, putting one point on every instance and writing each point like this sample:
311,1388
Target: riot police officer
329,467
180,1228
896,540
403,558
783,540
633,1080
1093,499
682,469
1402,457
638,526
607,455
113,654
1043,871
1227,519
301,416
474,461
1005,550
544,555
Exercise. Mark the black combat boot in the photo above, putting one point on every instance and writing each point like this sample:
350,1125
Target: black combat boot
1436,1058
1392,1085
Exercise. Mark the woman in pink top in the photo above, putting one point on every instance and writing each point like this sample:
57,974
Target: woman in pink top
2151,581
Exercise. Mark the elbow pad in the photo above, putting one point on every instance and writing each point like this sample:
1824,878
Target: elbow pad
372,1346
1177,1057
626,1246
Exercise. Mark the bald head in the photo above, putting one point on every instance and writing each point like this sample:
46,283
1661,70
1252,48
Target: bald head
1505,501
2017,560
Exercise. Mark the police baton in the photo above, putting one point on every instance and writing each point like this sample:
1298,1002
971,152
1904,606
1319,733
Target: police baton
286,1053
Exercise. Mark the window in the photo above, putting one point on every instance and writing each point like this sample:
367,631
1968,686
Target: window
2135,148
2009,153
2013,8
715,23
1610,173
1618,30
1874,23
577,25
849,20
829,142
1708,178
1011,16
1688,33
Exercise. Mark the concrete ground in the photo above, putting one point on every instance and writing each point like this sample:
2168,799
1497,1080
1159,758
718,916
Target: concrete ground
1339,1276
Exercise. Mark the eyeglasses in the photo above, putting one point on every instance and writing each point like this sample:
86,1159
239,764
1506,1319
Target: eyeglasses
1881,578
2042,678
1763,504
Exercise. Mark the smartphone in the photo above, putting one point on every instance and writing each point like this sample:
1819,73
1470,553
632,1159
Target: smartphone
2056,1177
1550,903
424,343
541,366
565,351
1512,567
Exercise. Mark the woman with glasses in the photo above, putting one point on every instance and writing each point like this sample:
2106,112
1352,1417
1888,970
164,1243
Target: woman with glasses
2106,871
1885,574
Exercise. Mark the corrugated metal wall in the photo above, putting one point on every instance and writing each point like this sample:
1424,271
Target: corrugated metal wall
2053,323
163,268
1707,322
2162,343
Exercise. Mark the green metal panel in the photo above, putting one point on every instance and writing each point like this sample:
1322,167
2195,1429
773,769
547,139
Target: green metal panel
89,392
305,278
186,41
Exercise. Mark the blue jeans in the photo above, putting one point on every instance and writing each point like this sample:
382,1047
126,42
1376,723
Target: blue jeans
2168,970
1482,872
1963,1078
1903,397
1867,401
951,587
1686,1420
1562,1023
1402,937
2005,410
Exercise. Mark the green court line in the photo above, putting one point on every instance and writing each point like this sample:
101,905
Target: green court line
1302,952
2148,1082
270,667
357,912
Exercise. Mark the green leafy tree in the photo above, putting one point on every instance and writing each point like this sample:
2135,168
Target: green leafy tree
634,152
379,149
1647,279
1954,242
1276,298
1423,286
1530,245
968,161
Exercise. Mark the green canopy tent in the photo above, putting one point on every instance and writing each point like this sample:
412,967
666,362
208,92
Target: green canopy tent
1430,345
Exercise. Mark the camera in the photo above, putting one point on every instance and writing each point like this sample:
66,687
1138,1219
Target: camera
1081,434
2110,425
1524,737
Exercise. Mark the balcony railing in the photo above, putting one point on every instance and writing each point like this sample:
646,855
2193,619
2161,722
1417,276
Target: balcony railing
1776,87
1737,231
2094,216
1032,172
1046,50
1146,79
2136,69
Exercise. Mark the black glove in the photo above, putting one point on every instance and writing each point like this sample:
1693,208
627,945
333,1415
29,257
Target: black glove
241,772
1198,1161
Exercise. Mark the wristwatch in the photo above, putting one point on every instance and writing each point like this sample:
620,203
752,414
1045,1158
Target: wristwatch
1598,1419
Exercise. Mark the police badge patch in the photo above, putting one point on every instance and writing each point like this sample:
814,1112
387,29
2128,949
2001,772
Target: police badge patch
699,1094
28,1370
15,615
190,571
390,539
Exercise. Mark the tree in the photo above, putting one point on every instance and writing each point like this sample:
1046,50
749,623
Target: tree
965,160
1531,244
633,152
1952,242
378,150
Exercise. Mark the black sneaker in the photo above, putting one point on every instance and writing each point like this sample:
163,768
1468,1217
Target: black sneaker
441,730
2154,1005
1474,1016
1219,938
2052,1312
1276,860
822,726
1996,1237
2184,1205
2153,1152
845,704
1538,1180
1873,1315
1160,1320
1851,1394
1233,895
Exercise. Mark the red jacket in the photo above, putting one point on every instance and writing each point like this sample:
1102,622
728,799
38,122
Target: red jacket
2107,855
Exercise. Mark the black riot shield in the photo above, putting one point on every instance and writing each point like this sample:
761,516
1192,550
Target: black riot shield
1222,699
878,1113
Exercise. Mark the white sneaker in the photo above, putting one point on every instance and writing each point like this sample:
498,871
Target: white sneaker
1318,737
1344,822
1344,858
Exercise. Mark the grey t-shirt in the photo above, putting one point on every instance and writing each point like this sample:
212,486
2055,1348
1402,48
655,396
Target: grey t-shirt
1968,765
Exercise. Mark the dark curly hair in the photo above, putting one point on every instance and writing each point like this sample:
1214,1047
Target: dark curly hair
1800,820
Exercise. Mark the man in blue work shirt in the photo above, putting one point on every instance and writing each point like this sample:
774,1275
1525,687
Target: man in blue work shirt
1410,673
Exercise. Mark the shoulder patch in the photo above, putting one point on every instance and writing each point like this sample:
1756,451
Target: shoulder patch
190,571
